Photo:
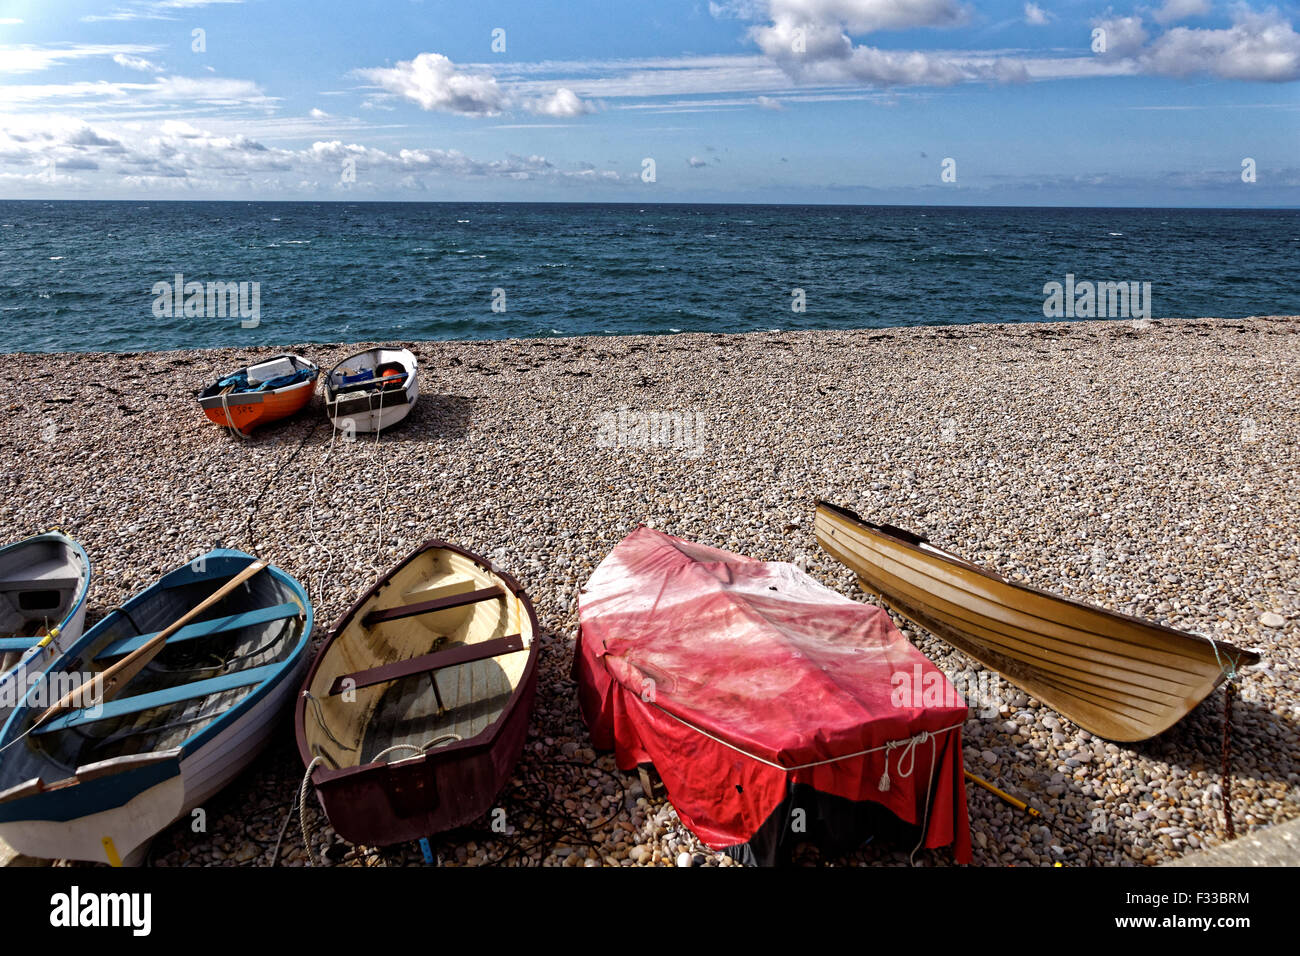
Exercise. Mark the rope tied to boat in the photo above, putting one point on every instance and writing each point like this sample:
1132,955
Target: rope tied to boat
423,748
225,407
1225,784
302,806
908,747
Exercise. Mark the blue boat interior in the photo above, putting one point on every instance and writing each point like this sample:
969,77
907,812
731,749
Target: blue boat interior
205,671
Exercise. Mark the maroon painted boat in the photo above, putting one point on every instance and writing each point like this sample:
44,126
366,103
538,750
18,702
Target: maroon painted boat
415,711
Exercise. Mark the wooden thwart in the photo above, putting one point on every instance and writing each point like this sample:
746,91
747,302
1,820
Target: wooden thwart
428,607
115,678
464,654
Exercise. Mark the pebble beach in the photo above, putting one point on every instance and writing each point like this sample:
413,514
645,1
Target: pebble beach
1150,467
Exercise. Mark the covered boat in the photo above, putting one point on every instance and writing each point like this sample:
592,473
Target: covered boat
1116,676
260,394
94,773
775,710
372,390
43,585
416,708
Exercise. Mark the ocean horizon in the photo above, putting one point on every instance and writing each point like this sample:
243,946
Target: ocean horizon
138,275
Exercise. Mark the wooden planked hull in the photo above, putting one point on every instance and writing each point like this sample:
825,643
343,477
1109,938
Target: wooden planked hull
1116,676
146,758
389,770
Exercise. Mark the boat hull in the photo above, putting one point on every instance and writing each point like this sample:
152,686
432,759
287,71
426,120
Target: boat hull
244,411
1116,676
247,412
377,803
410,799
13,673
372,411
110,811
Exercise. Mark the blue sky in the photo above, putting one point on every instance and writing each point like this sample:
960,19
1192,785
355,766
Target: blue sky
853,101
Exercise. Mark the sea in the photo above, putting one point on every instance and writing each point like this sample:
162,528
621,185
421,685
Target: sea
103,276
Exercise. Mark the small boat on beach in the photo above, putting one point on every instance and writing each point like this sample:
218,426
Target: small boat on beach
1116,676
43,585
416,708
775,710
372,390
259,394
153,710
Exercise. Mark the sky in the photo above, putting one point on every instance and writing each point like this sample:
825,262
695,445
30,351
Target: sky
1167,103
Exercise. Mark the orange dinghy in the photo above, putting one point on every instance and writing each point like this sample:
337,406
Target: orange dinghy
261,393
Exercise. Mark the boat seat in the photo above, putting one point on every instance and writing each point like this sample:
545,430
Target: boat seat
160,698
388,381
210,628
428,607
461,654
8,644
51,575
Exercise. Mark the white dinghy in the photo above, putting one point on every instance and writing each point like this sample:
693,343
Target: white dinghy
372,390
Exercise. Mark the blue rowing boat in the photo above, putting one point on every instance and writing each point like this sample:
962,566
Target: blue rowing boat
97,780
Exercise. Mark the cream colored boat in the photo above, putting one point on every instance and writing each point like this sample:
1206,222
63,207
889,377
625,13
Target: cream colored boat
1116,676
416,709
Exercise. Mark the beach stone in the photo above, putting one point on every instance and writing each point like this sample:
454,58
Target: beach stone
1272,619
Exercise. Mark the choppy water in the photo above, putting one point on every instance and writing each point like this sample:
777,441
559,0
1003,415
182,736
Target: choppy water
79,275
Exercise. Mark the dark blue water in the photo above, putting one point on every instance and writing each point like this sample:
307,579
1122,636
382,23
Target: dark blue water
78,275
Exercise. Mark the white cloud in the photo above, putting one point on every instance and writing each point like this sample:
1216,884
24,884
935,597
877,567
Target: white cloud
175,154
318,114
436,83
1261,47
695,162
562,103
30,58
1036,16
1124,36
433,81
1175,10
171,91
137,63
769,103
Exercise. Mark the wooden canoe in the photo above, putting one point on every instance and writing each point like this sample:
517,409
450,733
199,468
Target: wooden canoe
261,393
99,781
372,390
416,708
1116,676
43,584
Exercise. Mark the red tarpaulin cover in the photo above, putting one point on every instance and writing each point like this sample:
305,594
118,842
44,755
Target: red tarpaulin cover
739,679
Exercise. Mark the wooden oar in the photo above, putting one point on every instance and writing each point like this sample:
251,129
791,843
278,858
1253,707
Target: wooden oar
116,677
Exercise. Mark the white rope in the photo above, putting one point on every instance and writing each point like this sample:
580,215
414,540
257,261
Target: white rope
302,805
893,744
929,792
419,750
908,744
225,407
